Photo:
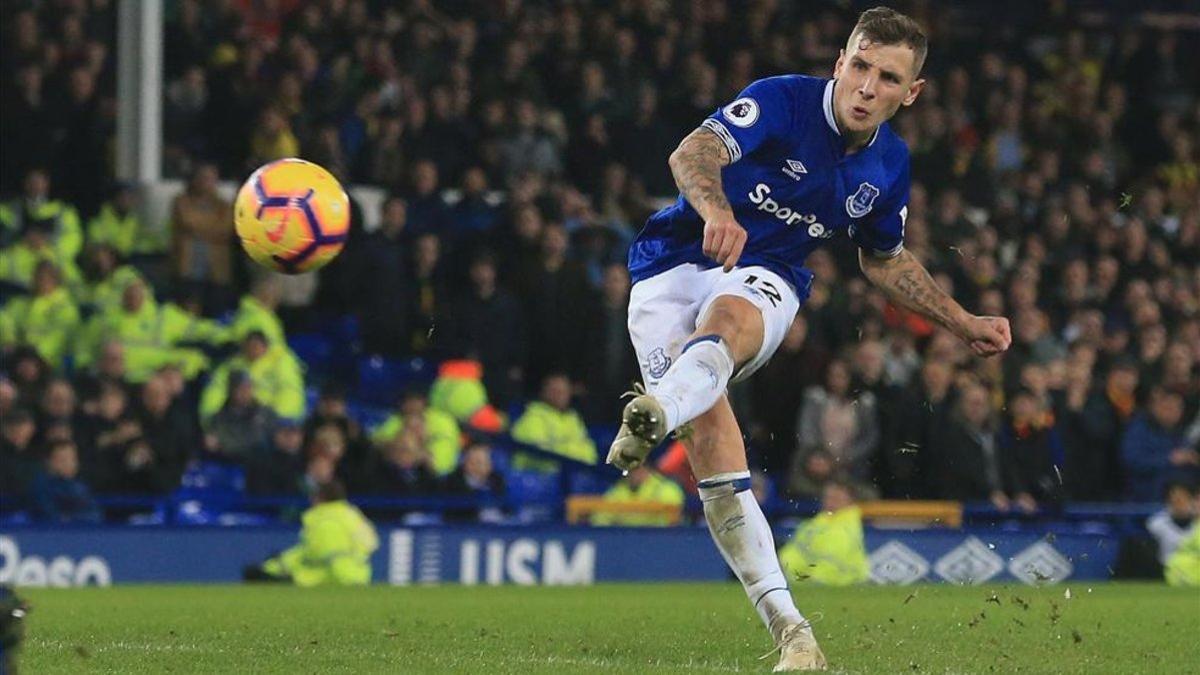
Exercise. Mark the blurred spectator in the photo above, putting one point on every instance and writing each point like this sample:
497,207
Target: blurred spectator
201,238
256,312
279,471
170,434
153,334
838,422
274,375
557,301
487,323
829,548
965,457
120,226
1183,567
612,366
475,476
1174,523
272,139
47,320
428,297
1031,453
427,211
1094,421
778,391
19,261
1154,448
35,206
107,429
642,486
402,466
331,410
336,543
58,404
58,494
473,214
551,425
19,460
922,411
381,284
241,428
442,434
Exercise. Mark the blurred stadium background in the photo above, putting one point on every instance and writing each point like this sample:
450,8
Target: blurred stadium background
460,363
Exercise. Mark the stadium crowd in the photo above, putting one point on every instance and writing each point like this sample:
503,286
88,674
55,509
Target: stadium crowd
1056,181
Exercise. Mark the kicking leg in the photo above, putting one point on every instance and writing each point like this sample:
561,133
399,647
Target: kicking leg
743,535
728,335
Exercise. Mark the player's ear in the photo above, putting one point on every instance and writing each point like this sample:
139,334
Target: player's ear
914,90
837,66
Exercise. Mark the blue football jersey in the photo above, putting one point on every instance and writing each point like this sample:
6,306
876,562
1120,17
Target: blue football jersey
791,186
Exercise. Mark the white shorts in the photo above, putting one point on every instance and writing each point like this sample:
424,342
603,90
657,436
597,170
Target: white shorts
665,309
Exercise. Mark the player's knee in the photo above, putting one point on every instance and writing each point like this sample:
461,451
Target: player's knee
737,322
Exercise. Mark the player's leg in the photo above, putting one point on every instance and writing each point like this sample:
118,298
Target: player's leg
742,534
740,325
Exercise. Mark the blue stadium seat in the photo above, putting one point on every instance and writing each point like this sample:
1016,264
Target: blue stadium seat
316,351
381,380
532,487
209,477
367,416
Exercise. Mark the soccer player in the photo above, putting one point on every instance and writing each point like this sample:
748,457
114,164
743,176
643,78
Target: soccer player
719,276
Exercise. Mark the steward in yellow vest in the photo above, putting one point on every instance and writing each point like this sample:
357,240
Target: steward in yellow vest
641,486
550,424
336,543
829,548
47,320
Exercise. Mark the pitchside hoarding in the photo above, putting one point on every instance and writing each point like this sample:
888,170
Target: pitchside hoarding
542,555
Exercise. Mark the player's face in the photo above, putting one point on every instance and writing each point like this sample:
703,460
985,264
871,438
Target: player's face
874,80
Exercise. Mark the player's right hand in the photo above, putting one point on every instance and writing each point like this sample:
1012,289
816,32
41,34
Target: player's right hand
723,240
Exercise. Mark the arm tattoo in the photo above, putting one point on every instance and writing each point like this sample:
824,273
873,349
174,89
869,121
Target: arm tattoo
906,281
696,165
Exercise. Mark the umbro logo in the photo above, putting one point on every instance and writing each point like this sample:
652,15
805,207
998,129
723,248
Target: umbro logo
794,168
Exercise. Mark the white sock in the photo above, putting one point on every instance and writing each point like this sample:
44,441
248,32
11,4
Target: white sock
742,533
695,382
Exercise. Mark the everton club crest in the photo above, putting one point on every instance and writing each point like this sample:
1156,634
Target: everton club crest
859,204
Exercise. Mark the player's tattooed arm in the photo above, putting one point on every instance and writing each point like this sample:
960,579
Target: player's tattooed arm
906,282
696,165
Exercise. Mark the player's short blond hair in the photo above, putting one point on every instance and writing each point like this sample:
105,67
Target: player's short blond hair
886,26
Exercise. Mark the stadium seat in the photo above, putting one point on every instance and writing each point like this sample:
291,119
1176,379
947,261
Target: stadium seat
528,487
315,351
208,477
381,380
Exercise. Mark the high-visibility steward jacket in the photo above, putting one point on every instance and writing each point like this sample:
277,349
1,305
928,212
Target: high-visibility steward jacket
656,489
17,263
278,383
1183,567
125,233
47,323
559,431
444,438
68,235
336,543
828,549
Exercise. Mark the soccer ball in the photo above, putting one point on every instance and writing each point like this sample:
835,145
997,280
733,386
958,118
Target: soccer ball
292,216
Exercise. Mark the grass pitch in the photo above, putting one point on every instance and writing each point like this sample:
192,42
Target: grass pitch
615,628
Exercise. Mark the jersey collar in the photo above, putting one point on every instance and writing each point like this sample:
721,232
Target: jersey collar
827,105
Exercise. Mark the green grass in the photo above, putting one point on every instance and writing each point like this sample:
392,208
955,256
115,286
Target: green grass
696,628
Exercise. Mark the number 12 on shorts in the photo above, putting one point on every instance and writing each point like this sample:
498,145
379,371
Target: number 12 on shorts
765,287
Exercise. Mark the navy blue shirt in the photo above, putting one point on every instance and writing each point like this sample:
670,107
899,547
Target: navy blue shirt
791,186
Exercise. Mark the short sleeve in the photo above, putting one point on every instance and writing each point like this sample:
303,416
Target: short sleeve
882,233
760,112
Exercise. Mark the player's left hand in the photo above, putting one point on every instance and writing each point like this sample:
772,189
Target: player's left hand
988,335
